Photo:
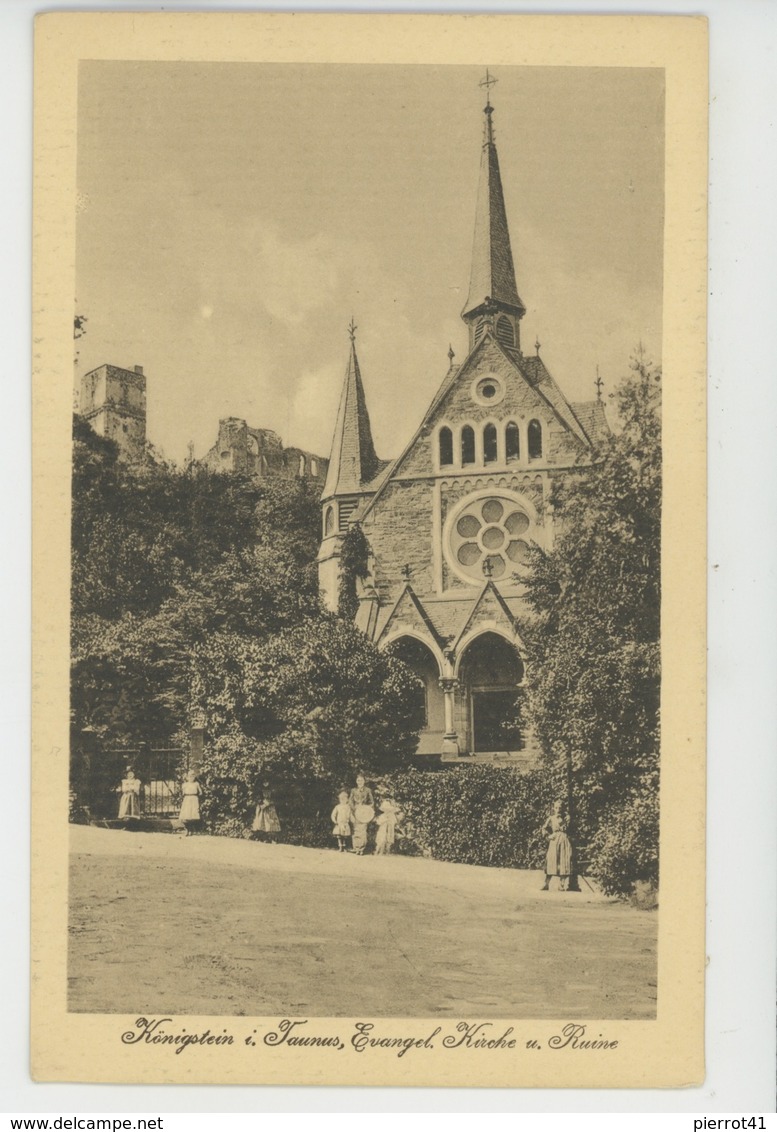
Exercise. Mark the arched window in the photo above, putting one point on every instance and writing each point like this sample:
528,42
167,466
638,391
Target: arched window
489,444
467,445
314,467
535,440
446,447
329,520
505,332
512,442
480,327
301,468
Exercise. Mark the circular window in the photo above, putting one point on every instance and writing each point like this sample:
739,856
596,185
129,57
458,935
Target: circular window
488,390
485,540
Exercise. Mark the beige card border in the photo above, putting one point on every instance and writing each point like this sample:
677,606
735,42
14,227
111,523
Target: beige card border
665,1052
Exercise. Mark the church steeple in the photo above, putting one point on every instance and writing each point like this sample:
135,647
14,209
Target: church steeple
493,297
353,462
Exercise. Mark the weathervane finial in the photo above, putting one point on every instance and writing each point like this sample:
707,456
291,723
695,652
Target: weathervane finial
352,328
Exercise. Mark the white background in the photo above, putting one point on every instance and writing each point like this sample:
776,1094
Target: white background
742,846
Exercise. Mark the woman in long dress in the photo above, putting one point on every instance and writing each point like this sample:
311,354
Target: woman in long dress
361,801
190,806
559,859
129,803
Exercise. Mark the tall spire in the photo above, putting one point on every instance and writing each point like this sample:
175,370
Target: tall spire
353,461
492,278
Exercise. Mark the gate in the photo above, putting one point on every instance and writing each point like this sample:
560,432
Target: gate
160,770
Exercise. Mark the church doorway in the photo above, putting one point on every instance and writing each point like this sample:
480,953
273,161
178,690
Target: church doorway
491,672
418,657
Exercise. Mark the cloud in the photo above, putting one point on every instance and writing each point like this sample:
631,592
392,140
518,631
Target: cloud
314,408
293,278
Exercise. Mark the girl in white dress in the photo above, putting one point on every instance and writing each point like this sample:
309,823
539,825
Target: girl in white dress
190,806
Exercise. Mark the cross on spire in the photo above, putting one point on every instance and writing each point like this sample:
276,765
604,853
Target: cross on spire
352,328
488,82
405,571
537,345
599,384
488,568
451,354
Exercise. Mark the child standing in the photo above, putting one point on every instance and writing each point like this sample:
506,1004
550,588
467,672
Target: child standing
387,826
341,816
190,806
266,821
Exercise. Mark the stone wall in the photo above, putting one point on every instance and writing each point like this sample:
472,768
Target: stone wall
260,452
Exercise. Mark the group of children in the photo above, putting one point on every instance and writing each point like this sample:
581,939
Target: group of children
354,812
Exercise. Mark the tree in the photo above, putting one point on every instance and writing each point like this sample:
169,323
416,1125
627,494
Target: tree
594,684
162,559
306,707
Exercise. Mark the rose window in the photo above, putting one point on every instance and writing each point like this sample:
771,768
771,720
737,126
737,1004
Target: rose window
487,538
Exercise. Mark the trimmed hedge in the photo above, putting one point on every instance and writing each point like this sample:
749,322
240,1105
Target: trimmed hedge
479,815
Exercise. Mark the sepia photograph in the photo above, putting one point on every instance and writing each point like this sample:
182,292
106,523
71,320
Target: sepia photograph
366,689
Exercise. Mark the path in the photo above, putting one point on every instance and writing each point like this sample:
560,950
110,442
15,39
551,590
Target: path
207,925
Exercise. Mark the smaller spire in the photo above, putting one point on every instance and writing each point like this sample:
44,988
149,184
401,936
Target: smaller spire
598,383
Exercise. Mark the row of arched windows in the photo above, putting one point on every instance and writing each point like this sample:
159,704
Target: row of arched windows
512,444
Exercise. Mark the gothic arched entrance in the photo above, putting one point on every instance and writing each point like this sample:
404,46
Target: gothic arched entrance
420,658
490,674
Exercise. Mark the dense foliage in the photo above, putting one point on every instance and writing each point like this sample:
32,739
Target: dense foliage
594,683
197,591
354,558
478,815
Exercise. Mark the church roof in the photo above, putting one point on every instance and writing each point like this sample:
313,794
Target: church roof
538,375
492,274
593,418
353,462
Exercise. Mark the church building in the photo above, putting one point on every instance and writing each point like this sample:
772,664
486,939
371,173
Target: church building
450,520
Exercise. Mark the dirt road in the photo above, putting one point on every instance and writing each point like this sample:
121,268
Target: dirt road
205,925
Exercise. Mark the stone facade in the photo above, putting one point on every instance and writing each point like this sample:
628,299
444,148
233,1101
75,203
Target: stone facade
450,522
260,452
113,401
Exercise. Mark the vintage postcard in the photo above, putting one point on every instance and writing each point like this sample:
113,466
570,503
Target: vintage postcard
369,466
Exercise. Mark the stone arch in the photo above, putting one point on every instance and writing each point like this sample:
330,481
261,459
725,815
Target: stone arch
445,447
329,520
512,442
491,672
490,443
534,445
467,445
424,660
505,331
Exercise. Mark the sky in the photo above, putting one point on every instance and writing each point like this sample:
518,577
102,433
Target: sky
233,217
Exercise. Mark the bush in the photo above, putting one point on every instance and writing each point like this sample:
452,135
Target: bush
479,815
624,850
